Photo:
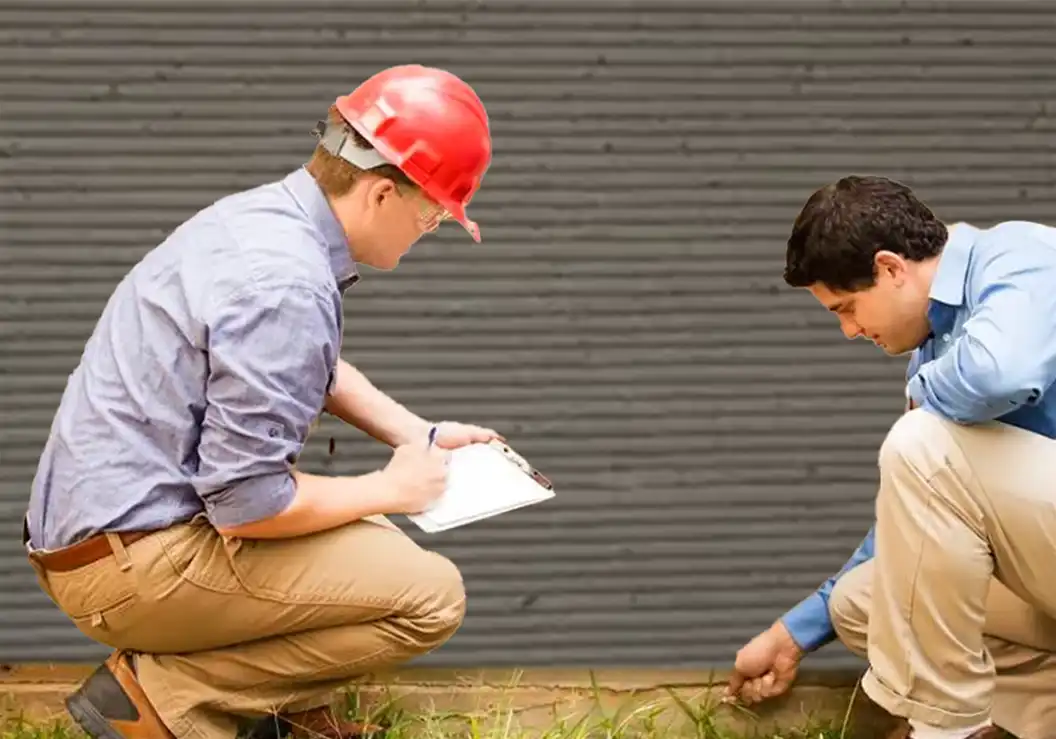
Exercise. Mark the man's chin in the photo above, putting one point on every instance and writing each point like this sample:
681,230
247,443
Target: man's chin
894,351
384,265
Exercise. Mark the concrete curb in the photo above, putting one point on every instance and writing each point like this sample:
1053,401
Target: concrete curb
536,696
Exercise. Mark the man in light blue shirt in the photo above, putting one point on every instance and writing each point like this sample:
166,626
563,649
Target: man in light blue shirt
949,596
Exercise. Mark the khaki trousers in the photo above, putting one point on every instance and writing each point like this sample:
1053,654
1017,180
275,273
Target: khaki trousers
230,628
963,584
1021,642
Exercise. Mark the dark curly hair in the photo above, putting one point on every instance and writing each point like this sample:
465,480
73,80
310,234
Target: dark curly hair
843,225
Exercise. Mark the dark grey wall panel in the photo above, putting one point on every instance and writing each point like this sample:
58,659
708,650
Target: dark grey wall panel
712,435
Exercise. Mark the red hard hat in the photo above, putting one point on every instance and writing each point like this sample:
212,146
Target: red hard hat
431,125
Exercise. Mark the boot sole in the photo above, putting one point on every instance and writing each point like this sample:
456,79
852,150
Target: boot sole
88,718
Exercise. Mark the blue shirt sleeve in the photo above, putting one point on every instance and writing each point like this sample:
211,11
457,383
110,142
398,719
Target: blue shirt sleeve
809,621
1006,356
272,349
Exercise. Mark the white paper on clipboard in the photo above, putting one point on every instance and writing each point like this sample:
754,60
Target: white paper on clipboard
483,481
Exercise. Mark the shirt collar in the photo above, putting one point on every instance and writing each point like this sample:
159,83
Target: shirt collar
950,275
948,285
304,189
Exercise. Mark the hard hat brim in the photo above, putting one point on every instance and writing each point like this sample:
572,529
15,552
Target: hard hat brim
458,212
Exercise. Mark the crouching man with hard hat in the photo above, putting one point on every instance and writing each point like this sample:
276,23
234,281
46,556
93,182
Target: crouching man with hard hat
167,518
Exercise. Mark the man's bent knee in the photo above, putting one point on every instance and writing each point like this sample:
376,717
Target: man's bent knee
443,608
906,436
849,607
918,439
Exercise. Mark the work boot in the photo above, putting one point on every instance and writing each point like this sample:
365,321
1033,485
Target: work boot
992,732
903,731
110,704
324,723
989,732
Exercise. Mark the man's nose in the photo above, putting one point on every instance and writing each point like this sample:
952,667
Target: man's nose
850,329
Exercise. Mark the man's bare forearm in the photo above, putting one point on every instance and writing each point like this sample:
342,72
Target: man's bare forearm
320,504
356,401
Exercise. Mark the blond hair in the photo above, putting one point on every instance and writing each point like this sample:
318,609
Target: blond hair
337,177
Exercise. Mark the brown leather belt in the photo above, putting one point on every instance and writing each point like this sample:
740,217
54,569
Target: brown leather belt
84,552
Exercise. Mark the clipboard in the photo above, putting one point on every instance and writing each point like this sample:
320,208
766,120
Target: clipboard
484,480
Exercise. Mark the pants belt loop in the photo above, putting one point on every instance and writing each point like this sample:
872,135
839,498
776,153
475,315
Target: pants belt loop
120,553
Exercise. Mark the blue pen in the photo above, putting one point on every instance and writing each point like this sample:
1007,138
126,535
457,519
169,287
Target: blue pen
432,435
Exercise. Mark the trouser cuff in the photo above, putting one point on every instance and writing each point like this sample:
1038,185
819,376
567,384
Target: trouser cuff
898,705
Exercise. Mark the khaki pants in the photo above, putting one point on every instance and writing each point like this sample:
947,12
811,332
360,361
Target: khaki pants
960,598
1021,642
251,627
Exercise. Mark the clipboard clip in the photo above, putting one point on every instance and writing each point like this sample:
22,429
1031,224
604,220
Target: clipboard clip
522,463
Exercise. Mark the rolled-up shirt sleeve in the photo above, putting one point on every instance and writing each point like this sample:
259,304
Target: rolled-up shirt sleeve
272,350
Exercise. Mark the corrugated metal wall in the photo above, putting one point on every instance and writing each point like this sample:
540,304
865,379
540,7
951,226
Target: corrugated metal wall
711,434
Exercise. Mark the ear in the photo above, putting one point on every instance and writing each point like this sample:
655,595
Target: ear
380,190
890,265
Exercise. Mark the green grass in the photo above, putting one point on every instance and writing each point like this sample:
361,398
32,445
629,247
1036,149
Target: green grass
640,724
669,717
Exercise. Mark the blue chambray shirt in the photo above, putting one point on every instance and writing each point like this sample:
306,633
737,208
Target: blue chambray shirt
198,387
991,356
